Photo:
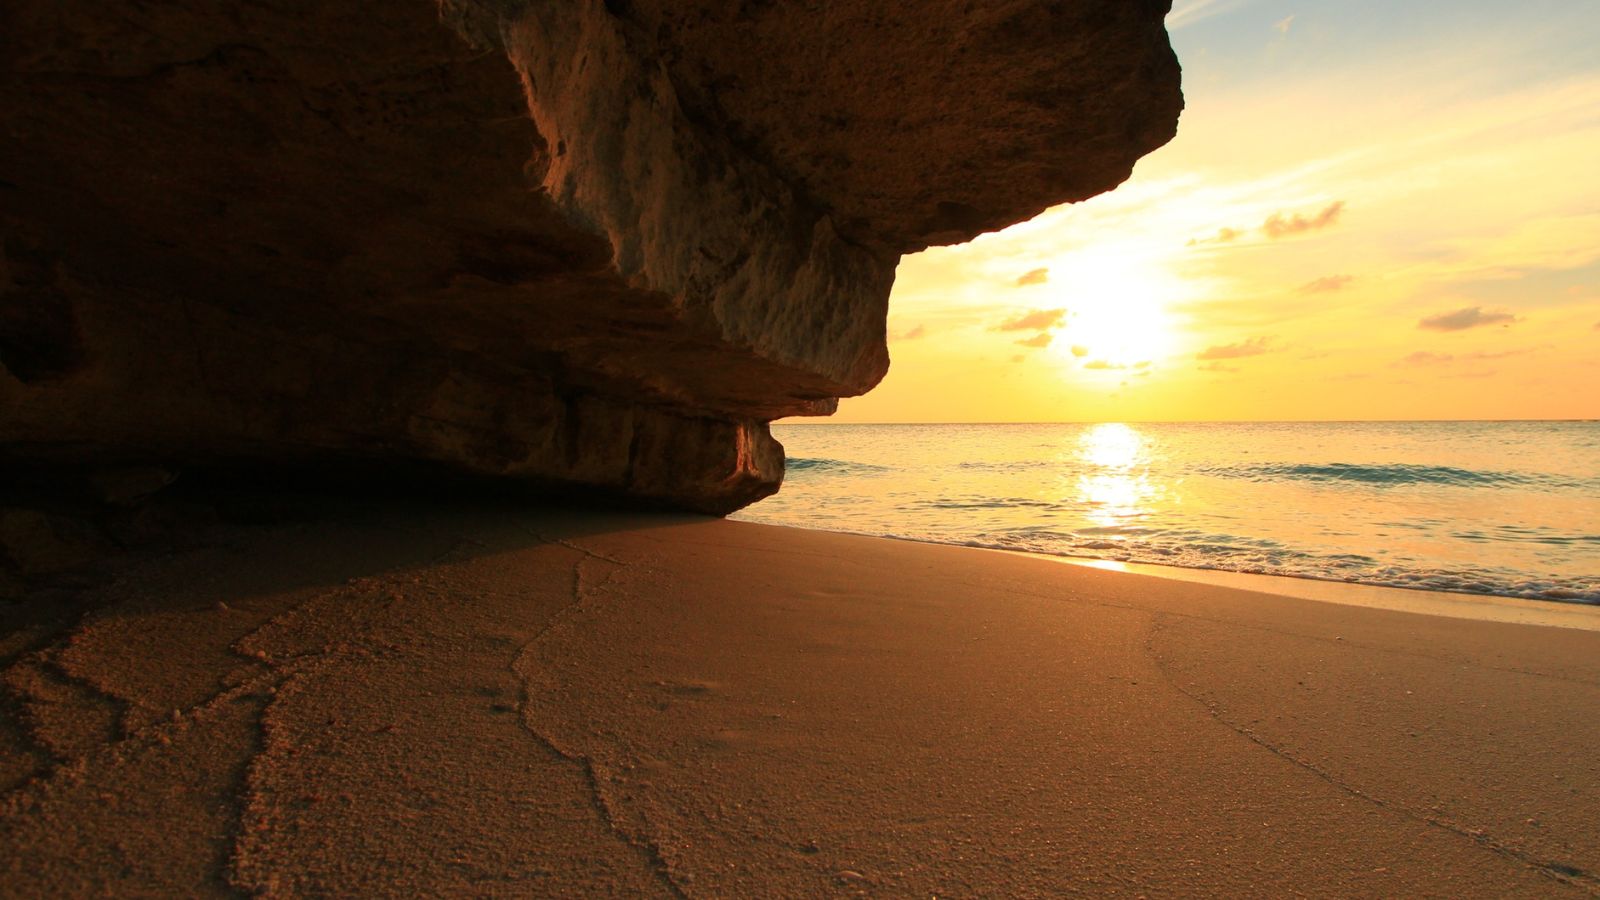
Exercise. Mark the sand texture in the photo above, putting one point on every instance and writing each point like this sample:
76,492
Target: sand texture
496,702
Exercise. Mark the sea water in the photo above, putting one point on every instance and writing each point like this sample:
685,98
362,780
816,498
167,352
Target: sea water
1506,508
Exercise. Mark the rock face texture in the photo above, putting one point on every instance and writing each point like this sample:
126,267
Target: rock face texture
587,244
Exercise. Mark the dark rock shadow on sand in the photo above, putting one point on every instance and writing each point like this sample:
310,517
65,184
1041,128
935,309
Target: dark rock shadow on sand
160,701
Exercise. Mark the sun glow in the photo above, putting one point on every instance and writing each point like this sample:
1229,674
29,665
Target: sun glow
1335,186
1117,310
1116,491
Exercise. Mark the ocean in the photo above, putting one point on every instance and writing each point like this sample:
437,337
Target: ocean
1503,508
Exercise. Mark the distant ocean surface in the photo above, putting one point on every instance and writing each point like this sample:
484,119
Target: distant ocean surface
1506,508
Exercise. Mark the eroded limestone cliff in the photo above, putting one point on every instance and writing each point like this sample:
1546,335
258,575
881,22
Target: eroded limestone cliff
580,243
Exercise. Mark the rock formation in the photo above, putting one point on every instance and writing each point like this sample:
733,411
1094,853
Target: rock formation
587,244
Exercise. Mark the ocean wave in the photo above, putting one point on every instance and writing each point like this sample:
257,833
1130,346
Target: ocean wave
1251,557
835,466
1012,465
1255,556
1393,474
1508,534
981,503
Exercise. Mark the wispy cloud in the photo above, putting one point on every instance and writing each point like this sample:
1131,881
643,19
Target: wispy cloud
1218,367
1253,347
1034,321
1283,25
1462,319
1188,12
1425,358
1081,351
1429,358
1326,284
1033,276
1102,364
909,334
1042,339
1223,236
1279,226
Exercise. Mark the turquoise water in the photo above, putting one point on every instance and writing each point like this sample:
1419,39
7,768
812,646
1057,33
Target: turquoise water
1506,508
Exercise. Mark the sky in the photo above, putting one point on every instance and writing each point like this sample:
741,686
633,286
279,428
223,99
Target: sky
1372,210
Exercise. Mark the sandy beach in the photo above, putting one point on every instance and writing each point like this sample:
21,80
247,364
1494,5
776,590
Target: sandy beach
471,701
454,452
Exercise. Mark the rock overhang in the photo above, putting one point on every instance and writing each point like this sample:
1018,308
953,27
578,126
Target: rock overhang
592,244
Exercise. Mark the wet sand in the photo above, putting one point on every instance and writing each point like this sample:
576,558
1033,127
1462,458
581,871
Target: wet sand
498,702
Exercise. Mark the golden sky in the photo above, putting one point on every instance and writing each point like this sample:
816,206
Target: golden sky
1384,210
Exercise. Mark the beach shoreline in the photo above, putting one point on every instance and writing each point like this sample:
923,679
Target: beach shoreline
1413,506
463,699
1452,604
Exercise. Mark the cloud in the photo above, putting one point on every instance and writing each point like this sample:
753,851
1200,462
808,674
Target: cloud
1223,236
1282,25
1497,354
1019,358
1429,358
1188,12
1033,276
910,334
1462,319
1081,351
1035,321
1253,347
1326,284
1281,225
1102,364
1276,226
1218,367
1042,339
1425,358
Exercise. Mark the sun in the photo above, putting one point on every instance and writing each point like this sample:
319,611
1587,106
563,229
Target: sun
1120,331
1118,309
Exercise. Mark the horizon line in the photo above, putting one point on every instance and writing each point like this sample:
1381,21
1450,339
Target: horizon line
823,420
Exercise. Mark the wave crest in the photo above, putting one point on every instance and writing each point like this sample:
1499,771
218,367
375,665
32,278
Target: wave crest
1384,475
834,466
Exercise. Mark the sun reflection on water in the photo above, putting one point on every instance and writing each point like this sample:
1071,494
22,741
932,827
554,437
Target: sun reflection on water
1118,489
